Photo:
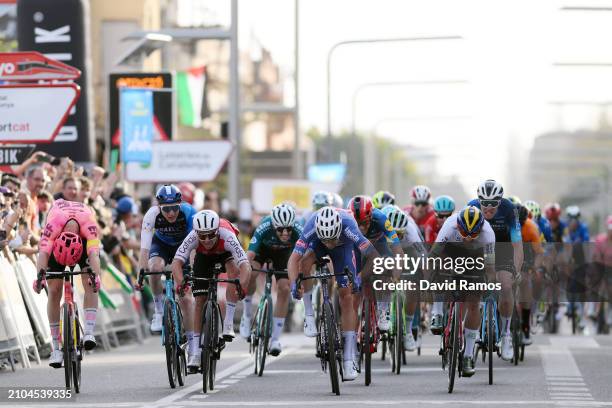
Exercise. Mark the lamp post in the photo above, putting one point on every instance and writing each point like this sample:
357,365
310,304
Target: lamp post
369,41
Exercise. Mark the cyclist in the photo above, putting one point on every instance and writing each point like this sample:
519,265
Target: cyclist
578,236
560,238
503,217
337,201
70,237
443,208
467,234
332,233
602,264
377,229
215,241
320,199
532,260
273,241
383,198
420,210
164,227
411,242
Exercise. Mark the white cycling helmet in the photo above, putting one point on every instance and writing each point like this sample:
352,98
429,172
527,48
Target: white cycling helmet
206,220
397,217
337,201
328,224
321,199
573,211
420,194
283,215
490,190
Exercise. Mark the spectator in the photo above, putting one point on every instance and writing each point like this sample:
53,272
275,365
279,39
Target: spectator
84,191
11,182
35,182
70,189
211,201
44,202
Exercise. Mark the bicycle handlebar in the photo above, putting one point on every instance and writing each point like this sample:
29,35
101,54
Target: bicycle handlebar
271,271
346,273
64,274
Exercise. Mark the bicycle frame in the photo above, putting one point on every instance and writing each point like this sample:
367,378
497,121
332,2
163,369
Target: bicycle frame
489,302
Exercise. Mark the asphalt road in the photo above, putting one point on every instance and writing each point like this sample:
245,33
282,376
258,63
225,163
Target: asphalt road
561,370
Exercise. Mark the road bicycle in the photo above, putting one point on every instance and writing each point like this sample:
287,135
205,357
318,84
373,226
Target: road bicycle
328,341
489,332
261,328
212,324
368,334
70,325
173,335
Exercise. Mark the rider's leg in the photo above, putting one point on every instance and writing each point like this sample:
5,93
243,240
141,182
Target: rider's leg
471,325
506,300
526,299
280,309
54,296
231,294
156,264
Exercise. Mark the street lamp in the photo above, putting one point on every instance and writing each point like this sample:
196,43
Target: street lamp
369,41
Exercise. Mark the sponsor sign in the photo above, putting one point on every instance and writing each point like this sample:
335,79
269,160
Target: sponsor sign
136,125
266,193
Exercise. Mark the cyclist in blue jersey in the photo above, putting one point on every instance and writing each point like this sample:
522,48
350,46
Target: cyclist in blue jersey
333,233
374,225
578,237
502,215
164,227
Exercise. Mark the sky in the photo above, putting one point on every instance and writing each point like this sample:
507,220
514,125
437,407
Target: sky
506,55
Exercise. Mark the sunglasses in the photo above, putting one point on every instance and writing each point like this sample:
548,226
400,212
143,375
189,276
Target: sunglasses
421,203
443,216
280,230
207,236
489,203
171,208
330,241
465,234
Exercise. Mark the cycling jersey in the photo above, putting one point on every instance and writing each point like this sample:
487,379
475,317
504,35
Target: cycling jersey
420,222
265,237
602,253
227,243
532,236
171,234
560,232
505,224
545,229
578,237
352,245
380,230
63,211
431,229
412,239
449,234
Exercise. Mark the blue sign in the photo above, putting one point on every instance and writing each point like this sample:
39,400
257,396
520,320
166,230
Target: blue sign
327,173
136,117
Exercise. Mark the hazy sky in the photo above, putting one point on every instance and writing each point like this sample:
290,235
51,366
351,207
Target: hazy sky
506,54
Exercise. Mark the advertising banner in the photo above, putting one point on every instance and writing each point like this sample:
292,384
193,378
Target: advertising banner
136,125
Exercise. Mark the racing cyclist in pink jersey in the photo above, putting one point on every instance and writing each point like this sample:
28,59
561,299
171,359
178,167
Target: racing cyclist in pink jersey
70,237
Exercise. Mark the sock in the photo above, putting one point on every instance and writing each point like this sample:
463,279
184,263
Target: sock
277,327
307,299
409,319
196,343
159,303
55,335
248,303
437,308
505,325
230,308
90,320
349,339
470,340
525,313
189,335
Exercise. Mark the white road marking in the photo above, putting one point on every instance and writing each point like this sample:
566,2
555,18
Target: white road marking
563,377
230,381
410,402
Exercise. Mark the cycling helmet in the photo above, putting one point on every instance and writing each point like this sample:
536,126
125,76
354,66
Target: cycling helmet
283,215
397,217
573,211
470,221
490,190
206,220
321,199
552,211
533,208
328,224
361,207
67,248
444,205
187,191
168,194
420,194
337,201
515,200
382,199
523,213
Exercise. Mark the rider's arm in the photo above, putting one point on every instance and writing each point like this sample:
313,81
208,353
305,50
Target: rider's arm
146,236
177,269
232,245
517,239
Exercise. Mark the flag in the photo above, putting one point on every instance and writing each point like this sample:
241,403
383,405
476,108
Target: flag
193,105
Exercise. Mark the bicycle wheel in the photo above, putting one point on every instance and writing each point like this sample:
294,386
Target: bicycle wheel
515,329
454,349
181,363
77,345
263,329
572,306
206,337
67,345
170,343
330,352
367,339
399,334
384,348
491,336
215,352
